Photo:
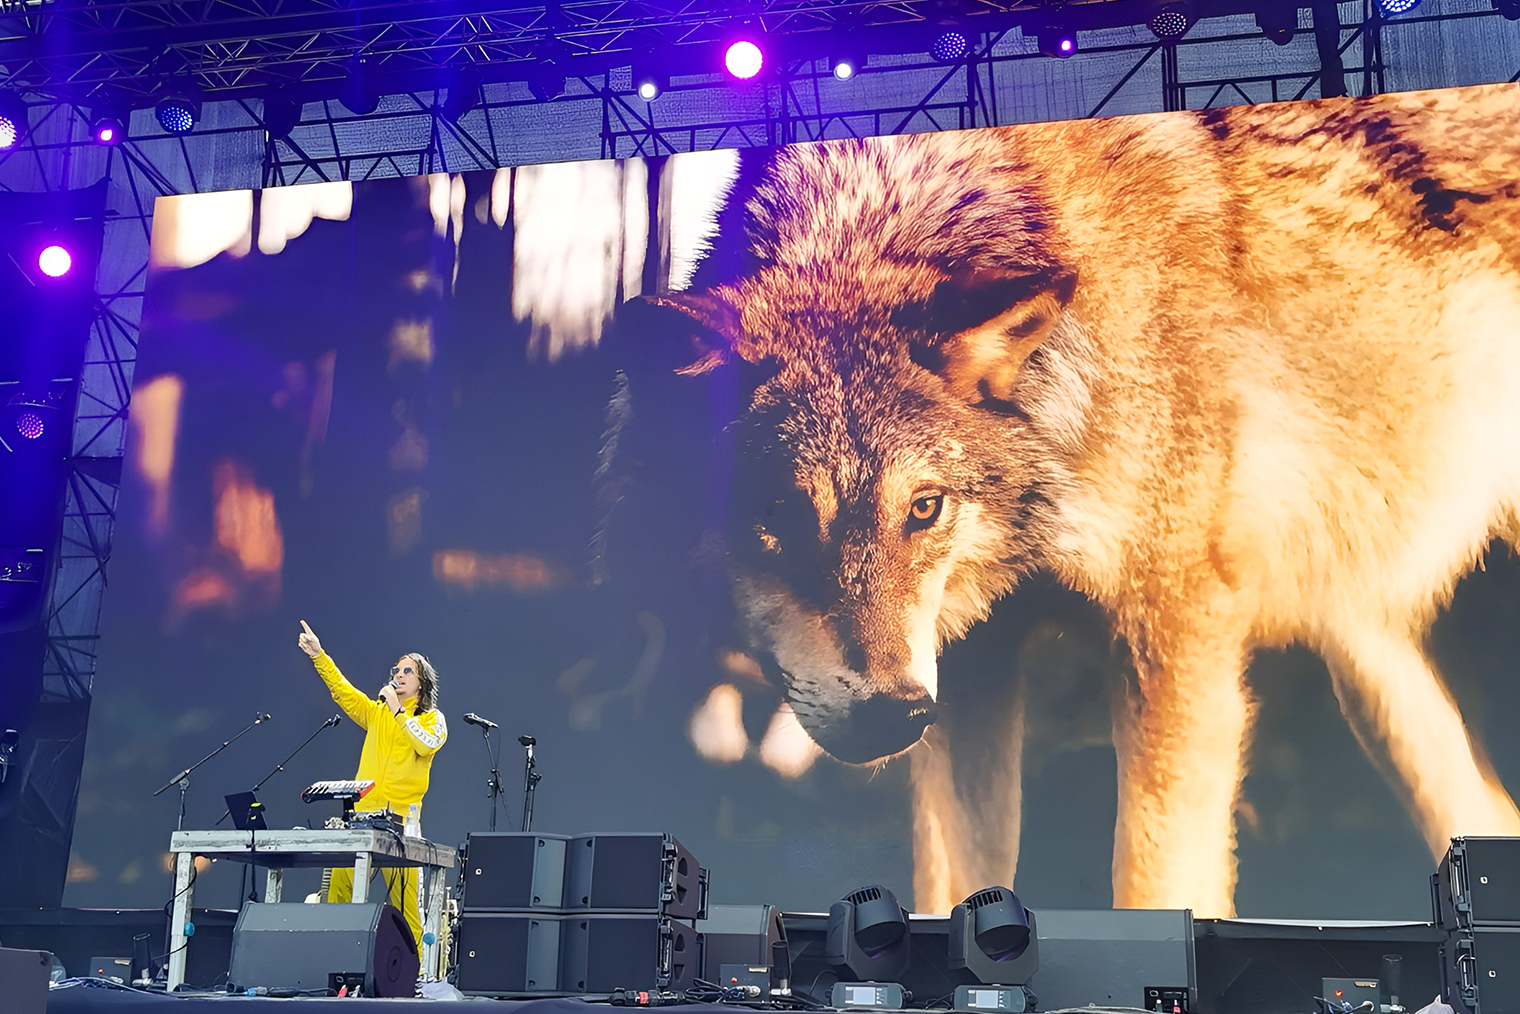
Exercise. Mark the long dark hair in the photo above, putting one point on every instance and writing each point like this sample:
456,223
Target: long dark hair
427,682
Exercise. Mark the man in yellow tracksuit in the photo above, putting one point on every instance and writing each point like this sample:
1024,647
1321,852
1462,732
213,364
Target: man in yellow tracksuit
403,730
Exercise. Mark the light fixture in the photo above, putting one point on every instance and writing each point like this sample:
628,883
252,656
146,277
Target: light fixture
1171,22
55,261
1056,41
13,121
178,111
463,94
743,59
108,127
1396,7
951,45
360,93
993,938
846,57
281,114
648,81
1278,21
868,935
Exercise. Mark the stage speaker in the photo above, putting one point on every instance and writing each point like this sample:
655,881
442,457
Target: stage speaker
1111,958
1481,968
602,952
739,935
296,946
1478,884
634,873
514,870
508,953
24,977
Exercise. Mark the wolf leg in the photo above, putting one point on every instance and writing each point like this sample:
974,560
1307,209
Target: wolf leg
964,841
1407,722
1180,740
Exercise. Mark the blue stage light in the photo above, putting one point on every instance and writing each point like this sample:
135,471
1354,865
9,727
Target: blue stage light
29,425
1171,22
1395,7
177,113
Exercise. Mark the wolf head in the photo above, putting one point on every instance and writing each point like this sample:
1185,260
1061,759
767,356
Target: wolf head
890,483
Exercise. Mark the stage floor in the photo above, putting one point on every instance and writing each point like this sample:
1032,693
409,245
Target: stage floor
83,999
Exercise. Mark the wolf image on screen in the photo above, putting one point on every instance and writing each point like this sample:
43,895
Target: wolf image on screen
1245,378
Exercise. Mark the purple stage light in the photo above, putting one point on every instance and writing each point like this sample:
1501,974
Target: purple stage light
743,59
1067,45
108,129
950,45
29,425
55,261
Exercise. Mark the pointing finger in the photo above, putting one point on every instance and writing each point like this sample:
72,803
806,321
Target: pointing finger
308,629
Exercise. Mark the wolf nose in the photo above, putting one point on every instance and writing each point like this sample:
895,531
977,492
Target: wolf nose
880,727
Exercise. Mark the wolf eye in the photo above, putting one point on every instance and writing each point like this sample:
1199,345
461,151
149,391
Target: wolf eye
924,511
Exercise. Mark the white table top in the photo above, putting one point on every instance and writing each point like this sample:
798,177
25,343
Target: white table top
301,847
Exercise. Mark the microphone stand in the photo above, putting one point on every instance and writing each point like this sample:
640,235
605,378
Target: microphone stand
494,783
334,720
531,778
183,778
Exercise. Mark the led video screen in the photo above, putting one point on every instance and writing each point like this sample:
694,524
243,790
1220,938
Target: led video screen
1118,510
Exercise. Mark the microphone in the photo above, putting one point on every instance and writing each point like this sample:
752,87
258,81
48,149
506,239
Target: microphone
484,723
527,740
257,718
334,720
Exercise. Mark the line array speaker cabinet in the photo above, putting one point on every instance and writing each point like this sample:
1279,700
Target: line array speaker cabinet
509,952
605,951
517,870
1482,969
1475,894
634,873
24,977
296,946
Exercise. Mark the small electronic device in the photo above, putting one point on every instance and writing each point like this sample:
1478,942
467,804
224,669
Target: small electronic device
117,970
746,975
868,995
247,812
1168,999
992,998
1344,995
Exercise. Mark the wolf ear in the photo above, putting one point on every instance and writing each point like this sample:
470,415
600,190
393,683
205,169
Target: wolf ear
982,325
710,321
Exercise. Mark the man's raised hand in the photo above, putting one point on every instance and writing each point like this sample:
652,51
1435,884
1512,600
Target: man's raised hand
308,641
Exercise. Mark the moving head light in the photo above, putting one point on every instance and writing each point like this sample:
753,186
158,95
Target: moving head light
993,939
868,935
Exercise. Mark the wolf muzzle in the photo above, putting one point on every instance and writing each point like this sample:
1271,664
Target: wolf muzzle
873,728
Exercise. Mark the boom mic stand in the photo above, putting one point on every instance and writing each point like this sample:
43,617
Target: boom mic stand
334,720
493,784
531,778
183,778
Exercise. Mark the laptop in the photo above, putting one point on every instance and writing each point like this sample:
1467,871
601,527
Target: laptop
247,812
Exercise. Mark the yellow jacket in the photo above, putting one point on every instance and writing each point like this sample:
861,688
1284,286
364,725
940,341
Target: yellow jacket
398,748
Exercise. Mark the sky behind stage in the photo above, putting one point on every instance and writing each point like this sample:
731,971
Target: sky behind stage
400,411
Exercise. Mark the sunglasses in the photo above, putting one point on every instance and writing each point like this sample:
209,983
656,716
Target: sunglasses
397,670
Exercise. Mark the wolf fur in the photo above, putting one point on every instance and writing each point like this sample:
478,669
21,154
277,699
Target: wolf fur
1243,377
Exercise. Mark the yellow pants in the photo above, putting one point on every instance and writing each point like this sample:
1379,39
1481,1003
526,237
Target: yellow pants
401,889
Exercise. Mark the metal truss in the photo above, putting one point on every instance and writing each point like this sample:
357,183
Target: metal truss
229,48
105,384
